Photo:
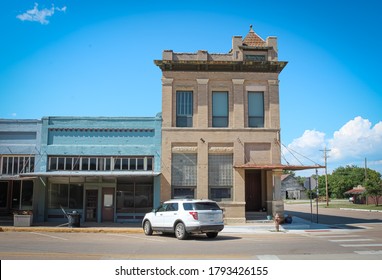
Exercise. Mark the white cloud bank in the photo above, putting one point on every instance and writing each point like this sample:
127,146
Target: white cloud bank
351,144
40,16
357,139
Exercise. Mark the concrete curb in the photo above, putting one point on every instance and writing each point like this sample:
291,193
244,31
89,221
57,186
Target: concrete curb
363,210
72,230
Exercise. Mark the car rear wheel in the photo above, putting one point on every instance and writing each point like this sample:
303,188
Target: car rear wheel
180,231
147,228
211,234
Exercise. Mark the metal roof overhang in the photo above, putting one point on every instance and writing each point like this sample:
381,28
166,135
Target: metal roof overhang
355,191
91,174
17,177
253,166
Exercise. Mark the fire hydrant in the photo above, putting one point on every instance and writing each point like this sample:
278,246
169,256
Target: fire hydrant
277,221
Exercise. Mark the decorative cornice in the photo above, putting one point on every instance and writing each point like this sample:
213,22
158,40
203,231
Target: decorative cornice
221,66
87,129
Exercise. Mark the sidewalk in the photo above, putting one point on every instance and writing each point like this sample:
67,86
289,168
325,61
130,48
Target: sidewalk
257,226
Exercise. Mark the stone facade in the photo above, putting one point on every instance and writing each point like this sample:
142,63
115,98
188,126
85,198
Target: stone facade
250,67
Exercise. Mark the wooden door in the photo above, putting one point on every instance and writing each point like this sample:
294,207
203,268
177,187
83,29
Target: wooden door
253,190
91,205
108,205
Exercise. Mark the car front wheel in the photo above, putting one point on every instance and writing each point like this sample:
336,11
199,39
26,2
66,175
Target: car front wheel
147,228
180,231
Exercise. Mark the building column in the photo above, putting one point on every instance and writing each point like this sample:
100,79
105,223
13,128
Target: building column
167,104
202,105
238,103
202,180
274,104
277,203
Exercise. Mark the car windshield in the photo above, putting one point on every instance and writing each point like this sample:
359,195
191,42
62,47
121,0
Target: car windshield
201,206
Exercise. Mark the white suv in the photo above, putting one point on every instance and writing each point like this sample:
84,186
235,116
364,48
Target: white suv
184,217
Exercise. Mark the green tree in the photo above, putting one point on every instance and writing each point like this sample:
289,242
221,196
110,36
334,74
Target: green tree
373,186
343,179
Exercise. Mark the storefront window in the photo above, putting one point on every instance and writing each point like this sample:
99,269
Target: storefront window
3,194
135,195
22,194
66,196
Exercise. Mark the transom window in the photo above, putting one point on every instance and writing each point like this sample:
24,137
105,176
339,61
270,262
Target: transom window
100,163
13,165
255,109
184,108
220,109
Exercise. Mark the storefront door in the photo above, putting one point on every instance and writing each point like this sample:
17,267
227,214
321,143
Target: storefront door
91,205
108,205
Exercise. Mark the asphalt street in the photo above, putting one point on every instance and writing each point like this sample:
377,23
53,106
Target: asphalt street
348,235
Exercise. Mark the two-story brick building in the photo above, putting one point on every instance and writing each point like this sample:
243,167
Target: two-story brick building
221,126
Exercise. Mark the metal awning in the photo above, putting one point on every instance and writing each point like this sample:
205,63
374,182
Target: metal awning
17,177
91,174
357,190
254,166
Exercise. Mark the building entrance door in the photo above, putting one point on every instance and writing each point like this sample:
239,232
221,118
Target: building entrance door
252,190
108,205
91,205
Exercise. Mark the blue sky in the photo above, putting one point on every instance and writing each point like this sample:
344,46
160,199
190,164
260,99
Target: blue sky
95,58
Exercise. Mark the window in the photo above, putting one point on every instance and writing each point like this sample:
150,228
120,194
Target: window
183,175
172,207
65,195
220,176
220,109
255,57
22,194
255,109
3,194
12,165
94,163
135,196
184,108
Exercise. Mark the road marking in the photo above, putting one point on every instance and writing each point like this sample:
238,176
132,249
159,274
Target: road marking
369,252
361,245
268,257
335,236
351,240
136,237
47,235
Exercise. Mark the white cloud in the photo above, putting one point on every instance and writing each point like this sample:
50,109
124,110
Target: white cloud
356,139
351,144
305,149
39,15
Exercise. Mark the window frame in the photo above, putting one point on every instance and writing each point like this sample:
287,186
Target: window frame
104,163
255,120
221,172
184,108
218,119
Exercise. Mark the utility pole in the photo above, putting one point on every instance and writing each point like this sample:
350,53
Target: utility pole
326,174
